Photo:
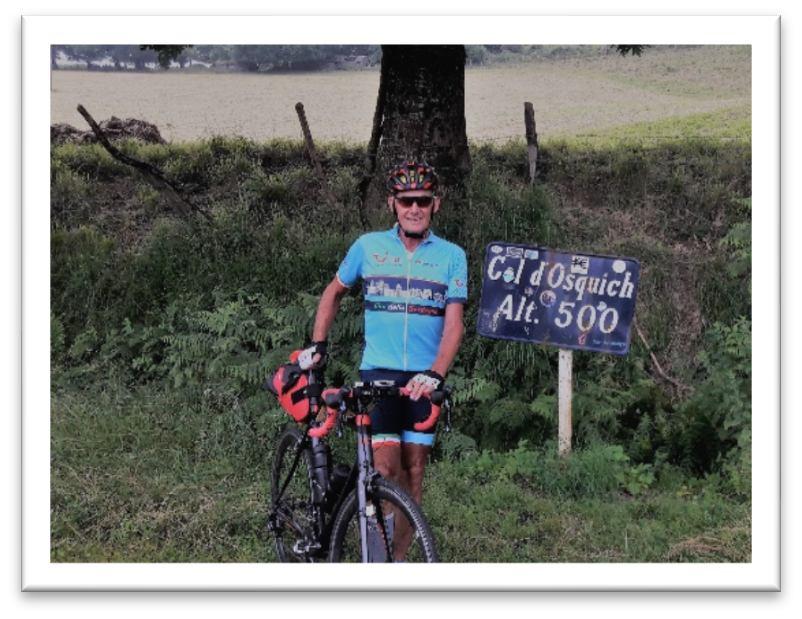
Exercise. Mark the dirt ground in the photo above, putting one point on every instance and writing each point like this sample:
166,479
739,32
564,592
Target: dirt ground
571,96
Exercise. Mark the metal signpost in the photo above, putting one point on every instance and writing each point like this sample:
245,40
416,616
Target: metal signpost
572,301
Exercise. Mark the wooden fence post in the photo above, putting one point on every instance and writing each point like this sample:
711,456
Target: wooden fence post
310,149
531,139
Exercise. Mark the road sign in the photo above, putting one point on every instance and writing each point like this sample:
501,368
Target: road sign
570,300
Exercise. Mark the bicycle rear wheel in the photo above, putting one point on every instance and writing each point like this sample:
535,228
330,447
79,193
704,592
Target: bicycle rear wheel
408,538
294,518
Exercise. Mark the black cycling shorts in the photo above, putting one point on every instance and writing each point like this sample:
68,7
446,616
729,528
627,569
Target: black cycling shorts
392,419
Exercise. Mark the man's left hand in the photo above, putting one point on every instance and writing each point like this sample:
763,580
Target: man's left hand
424,383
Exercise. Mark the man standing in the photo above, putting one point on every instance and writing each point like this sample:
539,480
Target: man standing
414,285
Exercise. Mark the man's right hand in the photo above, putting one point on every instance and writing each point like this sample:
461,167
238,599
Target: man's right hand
314,357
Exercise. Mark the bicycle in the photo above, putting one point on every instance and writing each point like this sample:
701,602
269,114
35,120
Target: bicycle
322,512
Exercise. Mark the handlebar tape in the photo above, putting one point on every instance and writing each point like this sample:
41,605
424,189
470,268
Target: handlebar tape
331,417
429,422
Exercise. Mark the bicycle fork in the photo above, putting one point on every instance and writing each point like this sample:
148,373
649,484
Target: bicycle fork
365,465
368,507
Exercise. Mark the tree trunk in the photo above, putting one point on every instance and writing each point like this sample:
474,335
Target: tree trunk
423,117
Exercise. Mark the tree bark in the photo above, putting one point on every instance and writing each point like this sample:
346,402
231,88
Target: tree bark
423,107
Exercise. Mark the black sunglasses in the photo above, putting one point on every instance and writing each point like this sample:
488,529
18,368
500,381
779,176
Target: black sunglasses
422,202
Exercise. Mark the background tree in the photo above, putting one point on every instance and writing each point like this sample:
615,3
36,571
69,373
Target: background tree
165,53
420,112
87,53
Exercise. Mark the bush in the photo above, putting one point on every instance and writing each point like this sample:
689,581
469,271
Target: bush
717,418
592,472
81,278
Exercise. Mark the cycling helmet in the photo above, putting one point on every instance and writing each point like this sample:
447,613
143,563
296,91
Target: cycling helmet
410,175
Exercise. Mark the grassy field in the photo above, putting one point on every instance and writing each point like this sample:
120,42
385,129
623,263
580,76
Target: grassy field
574,96
143,475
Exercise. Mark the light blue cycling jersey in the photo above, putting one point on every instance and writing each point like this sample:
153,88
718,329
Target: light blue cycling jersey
405,294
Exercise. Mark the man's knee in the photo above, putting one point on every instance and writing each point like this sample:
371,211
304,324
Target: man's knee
387,460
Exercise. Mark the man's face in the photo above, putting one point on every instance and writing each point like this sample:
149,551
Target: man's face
414,209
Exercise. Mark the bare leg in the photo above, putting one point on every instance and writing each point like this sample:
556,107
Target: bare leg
413,465
387,462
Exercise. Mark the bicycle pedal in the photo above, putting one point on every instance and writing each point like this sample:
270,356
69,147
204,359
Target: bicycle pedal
303,548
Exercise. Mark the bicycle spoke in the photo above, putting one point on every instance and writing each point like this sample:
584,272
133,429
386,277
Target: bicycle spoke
295,515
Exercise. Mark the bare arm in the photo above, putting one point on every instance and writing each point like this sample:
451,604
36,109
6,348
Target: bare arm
453,329
327,309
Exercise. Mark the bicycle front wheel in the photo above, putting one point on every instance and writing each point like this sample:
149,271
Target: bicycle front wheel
399,533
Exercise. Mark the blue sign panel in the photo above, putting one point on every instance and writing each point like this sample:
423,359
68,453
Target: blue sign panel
580,301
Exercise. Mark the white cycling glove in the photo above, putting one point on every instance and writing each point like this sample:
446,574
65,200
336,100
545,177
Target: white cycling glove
429,378
306,358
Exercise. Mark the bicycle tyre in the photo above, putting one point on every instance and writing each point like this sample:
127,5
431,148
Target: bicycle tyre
345,538
296,514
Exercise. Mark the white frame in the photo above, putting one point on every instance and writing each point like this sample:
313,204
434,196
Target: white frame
761,32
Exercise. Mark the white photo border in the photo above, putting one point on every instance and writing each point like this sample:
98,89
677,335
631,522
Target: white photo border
761,32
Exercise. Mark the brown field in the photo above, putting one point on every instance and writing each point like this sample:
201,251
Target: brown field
571,96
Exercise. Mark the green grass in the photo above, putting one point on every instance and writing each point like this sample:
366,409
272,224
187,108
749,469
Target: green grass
731,124
146,475
143,475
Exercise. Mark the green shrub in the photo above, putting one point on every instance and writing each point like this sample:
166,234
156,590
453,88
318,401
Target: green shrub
586,473
81,275
69,190
193,164
717,417
91,160
57,345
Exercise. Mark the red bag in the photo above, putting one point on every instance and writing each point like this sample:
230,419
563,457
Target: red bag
289,384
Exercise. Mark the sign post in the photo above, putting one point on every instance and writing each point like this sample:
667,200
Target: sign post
572,301
565,397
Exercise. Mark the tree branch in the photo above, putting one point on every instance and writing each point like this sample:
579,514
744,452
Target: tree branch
656,363
151,173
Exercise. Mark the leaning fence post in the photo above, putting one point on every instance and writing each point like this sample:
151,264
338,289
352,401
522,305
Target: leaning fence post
531,139
310,149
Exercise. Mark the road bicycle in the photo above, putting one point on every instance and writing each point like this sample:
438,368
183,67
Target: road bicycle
321,511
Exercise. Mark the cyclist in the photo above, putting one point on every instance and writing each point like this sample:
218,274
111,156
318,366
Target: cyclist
414,285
